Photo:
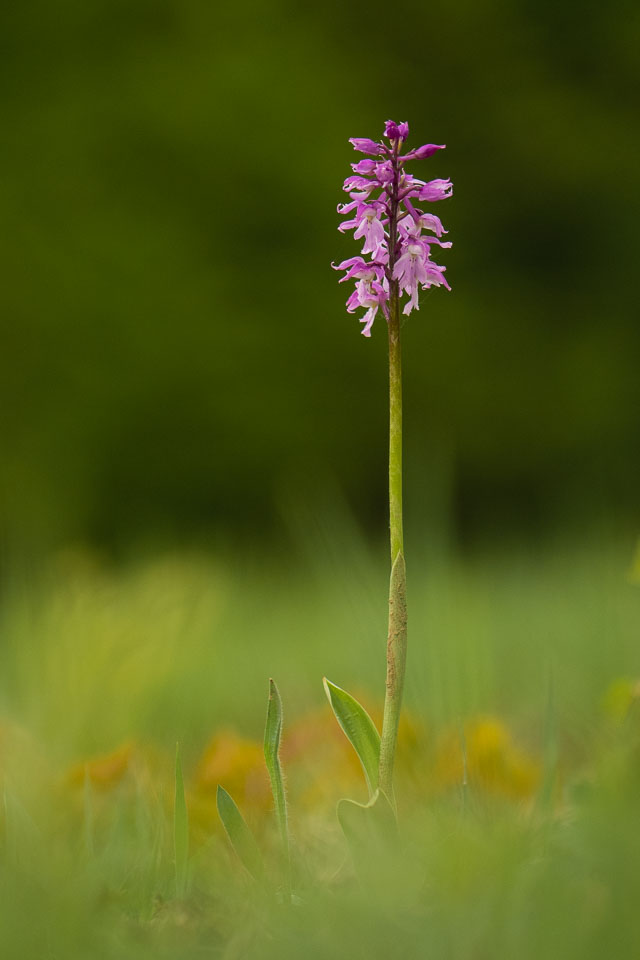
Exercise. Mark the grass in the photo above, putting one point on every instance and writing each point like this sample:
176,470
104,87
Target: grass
524,663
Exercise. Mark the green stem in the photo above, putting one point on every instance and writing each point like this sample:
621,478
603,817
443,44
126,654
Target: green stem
397,636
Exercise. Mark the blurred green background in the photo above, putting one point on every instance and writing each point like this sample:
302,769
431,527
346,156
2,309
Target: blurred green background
177,363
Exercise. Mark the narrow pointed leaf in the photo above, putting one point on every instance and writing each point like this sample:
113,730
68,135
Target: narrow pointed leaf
180,831
240,836
272,736
359,729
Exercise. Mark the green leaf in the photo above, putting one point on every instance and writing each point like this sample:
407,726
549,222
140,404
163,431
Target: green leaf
240,836
272,735
180,831
359,729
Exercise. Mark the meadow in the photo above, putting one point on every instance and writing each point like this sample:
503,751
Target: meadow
517,781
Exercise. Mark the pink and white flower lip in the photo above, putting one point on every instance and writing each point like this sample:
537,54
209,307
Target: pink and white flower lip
390,226
372,231
367,224
357,181
361,269
370,295
414,269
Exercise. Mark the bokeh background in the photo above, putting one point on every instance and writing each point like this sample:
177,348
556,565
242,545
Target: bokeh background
193,460
177,364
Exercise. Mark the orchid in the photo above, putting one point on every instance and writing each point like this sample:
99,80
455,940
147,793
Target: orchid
391,226
394,262
398,238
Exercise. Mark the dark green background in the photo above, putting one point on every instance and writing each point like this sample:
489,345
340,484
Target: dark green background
177,361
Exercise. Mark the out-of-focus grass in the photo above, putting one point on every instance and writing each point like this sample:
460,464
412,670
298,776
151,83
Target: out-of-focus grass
172,649
101,672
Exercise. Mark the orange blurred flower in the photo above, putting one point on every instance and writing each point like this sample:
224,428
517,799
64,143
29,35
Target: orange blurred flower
103,771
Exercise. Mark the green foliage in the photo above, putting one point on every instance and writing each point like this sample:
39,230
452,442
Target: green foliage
359,729
240,836
180,831
272,735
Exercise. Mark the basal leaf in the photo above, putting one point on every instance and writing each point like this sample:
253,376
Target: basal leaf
240,836
359,729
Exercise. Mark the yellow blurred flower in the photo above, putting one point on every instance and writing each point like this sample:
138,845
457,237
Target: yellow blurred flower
493,761
619,697
237,765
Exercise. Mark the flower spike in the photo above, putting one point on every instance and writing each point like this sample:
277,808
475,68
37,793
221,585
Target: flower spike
390,226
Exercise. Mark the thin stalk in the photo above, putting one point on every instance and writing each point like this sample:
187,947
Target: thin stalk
397,635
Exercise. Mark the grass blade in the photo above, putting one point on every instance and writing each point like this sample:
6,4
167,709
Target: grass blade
180,831
240,836
359,729
272,735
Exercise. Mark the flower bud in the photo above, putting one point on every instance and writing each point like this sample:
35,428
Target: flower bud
426,150
363,145
396,131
